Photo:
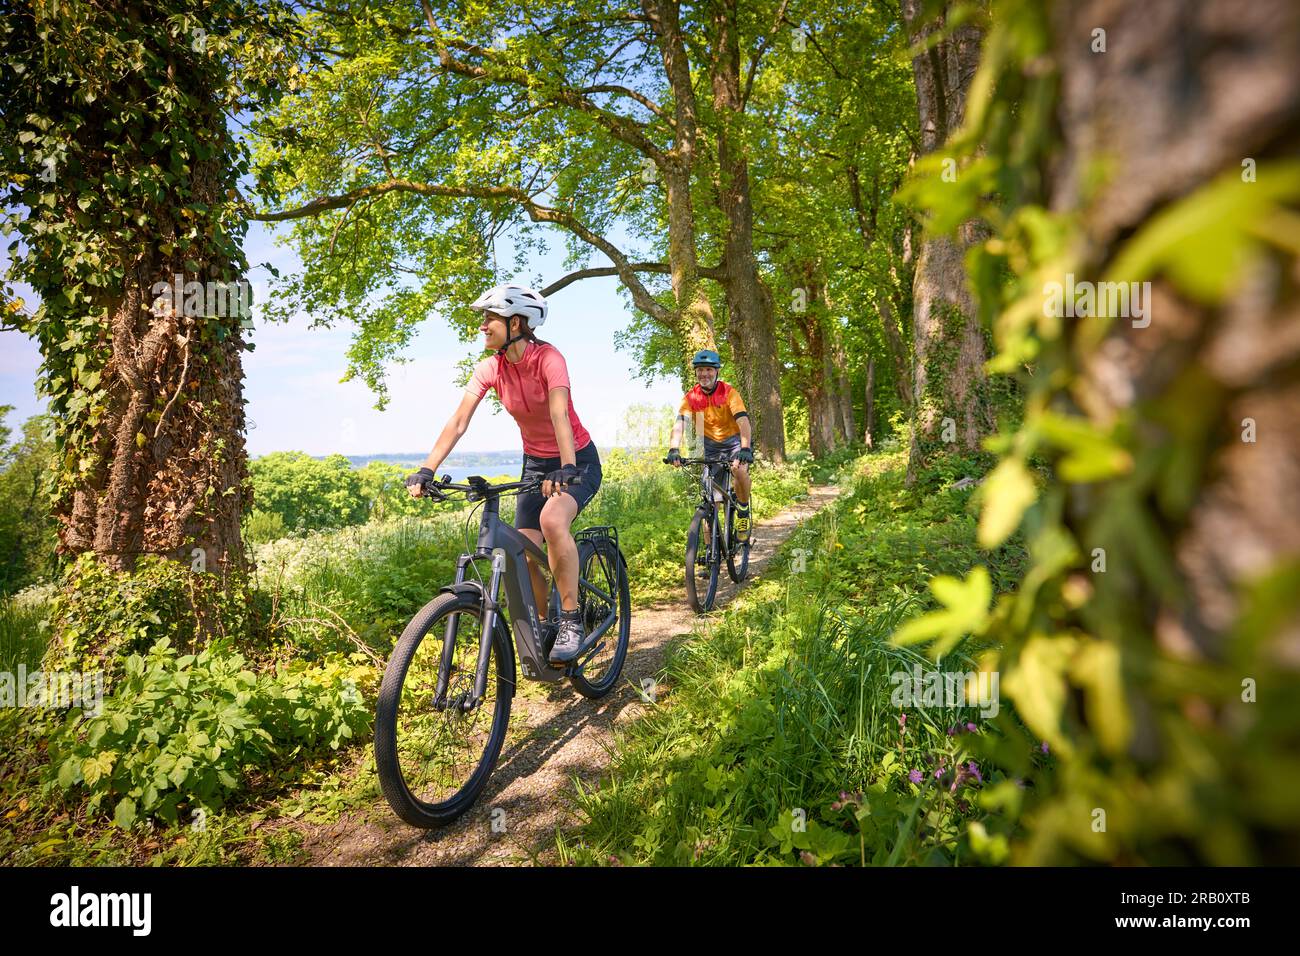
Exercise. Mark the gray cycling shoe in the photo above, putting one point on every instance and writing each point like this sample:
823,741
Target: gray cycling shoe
568,639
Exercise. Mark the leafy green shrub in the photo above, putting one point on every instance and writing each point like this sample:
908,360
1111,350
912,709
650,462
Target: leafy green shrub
182,731
100,616
383,485
308,493
262,526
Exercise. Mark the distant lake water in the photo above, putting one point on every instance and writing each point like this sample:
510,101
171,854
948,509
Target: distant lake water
460,467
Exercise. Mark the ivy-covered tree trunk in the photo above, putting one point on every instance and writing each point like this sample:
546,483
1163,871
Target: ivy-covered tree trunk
1153,642
125,162
950,406
1210,376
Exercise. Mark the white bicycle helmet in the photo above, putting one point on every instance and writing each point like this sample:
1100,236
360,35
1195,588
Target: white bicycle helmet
509,300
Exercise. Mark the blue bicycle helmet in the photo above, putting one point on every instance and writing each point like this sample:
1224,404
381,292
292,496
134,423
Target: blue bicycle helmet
706,357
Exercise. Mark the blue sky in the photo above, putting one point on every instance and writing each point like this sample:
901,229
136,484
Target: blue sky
296,401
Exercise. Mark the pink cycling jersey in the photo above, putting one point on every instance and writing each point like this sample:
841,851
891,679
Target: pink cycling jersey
523,388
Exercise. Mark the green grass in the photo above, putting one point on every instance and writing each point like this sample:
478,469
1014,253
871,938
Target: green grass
23,633
773,740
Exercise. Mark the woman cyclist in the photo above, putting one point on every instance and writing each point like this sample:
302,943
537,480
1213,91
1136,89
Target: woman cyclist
532,381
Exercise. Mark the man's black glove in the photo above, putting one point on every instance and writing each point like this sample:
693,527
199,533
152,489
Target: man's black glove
746,455
565,475
674,456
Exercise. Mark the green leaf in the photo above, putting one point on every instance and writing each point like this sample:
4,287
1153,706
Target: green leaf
1036,683
125,813
965,611
1097,669
1007,492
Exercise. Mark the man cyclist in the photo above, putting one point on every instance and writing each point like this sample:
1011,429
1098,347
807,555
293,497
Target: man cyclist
725,425
532,380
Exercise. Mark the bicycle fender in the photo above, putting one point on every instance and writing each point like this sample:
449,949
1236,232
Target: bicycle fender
476,590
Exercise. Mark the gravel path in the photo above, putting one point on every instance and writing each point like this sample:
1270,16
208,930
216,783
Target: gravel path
555,735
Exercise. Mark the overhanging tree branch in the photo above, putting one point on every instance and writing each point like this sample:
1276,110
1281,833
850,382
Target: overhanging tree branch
717,273
538,213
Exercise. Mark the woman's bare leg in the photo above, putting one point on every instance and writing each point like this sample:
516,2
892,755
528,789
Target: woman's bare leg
561,550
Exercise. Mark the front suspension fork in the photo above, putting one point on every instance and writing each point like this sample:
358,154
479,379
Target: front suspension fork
489,620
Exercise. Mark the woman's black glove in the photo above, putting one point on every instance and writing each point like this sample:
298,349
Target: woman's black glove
674,456
421,479
565,475
746,455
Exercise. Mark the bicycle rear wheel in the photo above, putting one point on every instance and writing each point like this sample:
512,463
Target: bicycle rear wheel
433,756
702,561
602,566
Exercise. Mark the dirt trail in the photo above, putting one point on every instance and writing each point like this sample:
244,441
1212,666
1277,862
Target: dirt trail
554,736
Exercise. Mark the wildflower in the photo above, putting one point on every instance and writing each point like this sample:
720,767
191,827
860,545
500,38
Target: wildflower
952,731
975,771
1044,747
916,776
902,720
938,772
808,858
971,727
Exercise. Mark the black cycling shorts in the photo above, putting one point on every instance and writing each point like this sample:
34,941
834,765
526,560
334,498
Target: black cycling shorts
726,448
528,506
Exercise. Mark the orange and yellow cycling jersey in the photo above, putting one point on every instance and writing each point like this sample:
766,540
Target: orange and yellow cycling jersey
719,410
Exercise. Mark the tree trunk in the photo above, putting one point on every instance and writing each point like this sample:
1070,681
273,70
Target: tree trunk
1206,368
143,371
864,209
750,323
871,402
844,391
950,407
159,466
1182,553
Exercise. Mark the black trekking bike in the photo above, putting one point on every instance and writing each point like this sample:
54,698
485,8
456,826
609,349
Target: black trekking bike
712,535
444,703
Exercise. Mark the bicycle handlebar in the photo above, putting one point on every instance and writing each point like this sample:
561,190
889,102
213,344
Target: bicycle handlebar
478,486
702,461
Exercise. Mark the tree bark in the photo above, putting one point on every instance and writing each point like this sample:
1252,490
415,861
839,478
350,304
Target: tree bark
948,342
1197,372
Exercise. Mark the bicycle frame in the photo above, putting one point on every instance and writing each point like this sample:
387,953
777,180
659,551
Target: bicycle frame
707,485
508,550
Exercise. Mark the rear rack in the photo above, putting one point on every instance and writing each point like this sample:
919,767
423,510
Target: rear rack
596,533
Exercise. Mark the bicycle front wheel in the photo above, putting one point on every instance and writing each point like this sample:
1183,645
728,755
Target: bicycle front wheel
434,753
702,561
737,551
